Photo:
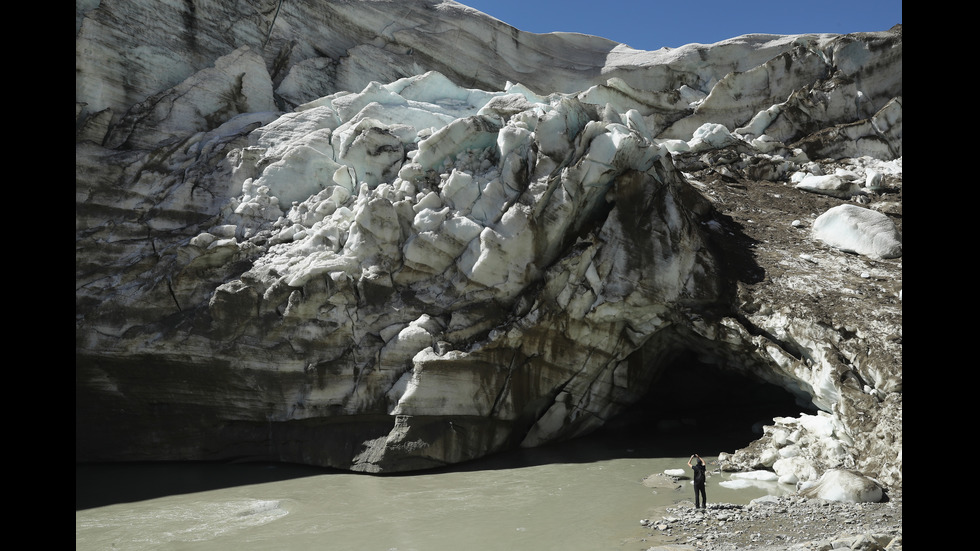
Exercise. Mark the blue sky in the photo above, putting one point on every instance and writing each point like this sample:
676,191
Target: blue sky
652,24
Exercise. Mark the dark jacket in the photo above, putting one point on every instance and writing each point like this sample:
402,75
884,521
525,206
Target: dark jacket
698,473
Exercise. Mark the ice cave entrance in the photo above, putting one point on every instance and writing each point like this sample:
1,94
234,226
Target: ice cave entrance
696,406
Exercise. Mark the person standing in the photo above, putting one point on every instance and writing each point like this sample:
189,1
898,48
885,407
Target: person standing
700,497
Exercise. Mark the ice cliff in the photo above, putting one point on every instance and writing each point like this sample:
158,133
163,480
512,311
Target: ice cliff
387,236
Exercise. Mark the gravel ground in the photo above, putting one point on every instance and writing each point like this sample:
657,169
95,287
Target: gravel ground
785,523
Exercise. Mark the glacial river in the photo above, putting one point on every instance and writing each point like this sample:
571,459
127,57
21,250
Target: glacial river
585,495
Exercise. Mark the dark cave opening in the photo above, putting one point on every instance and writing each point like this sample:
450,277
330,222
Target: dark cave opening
696,407
693,407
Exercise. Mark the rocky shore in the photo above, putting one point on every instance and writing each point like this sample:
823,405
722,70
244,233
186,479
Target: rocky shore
784,523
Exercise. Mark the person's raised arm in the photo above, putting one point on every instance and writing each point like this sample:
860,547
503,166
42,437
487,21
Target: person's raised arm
689,461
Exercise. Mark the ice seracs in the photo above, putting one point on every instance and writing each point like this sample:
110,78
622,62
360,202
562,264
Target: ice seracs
301,241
